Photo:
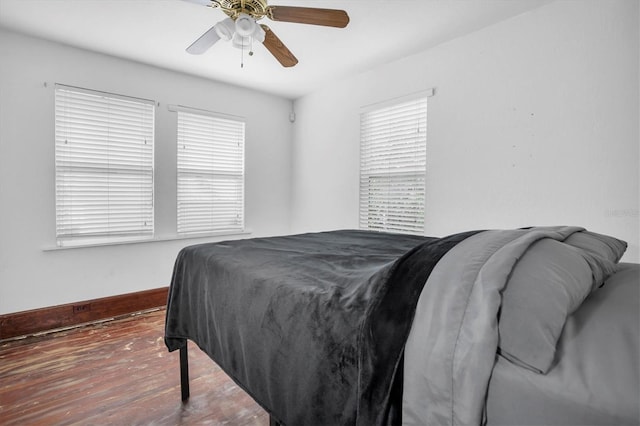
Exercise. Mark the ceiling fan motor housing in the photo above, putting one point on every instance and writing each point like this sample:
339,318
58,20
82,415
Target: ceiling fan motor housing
255,8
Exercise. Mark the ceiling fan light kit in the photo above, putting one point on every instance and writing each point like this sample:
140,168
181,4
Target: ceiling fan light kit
245,25
241,26
258,34
225,29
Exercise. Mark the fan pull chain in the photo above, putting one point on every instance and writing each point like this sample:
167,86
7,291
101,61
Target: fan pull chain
242,51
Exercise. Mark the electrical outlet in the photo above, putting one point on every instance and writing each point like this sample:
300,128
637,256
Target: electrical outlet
81,308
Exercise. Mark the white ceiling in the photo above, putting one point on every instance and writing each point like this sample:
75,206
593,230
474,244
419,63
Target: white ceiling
157,32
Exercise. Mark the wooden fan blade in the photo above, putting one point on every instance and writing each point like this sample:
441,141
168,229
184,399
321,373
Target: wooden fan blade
277,48
204,42
309,15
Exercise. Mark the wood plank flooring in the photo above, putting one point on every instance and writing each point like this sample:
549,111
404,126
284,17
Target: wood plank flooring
115,373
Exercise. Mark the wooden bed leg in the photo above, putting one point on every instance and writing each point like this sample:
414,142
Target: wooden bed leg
184,373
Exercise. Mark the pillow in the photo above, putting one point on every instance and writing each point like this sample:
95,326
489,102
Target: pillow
546,285
600,245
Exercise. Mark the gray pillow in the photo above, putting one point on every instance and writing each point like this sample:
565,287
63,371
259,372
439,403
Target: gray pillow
600,245
547,284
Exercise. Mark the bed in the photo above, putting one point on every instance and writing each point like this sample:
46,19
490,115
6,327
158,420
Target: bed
523,326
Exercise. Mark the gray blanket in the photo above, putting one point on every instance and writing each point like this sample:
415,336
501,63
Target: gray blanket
312,326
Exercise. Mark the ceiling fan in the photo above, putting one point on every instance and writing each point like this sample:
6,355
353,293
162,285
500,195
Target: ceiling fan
241,27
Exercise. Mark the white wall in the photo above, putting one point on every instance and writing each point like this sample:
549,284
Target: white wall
31,277
534,122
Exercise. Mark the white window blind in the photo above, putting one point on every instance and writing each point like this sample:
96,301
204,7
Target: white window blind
104,167
210,174
393,143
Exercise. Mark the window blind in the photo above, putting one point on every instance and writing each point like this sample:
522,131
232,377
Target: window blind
210,174
103,165
393,143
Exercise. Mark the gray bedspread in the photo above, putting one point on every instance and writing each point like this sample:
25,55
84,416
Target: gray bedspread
312,326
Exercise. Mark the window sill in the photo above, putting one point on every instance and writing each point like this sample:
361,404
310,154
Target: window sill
150,240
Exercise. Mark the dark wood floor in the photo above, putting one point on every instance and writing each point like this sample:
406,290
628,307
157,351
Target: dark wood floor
118,372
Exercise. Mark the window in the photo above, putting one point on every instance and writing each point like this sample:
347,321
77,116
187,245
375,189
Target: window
393,143
210,173
104,167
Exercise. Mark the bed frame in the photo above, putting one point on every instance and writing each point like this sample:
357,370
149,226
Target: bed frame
184,382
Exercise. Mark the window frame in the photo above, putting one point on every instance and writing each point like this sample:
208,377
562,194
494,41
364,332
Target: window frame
103,122
392,177
225,179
